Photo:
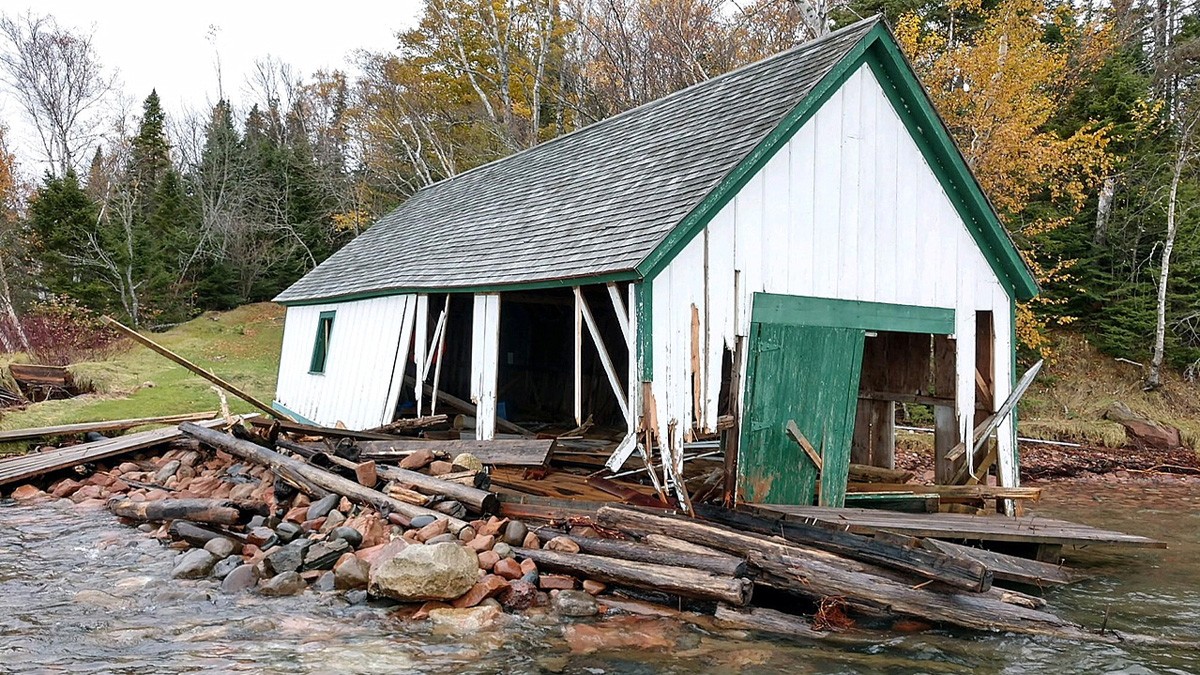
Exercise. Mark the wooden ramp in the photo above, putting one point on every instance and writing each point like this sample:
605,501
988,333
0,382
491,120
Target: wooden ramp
957,526
24,467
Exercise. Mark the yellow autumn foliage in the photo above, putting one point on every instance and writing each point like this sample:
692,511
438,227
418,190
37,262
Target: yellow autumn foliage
997,89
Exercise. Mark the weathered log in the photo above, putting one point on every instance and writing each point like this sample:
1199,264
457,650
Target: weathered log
682,581
815,573
720,563
411,424
501,452
405,495
215,511
199,536
480,501
314,476
475,479
862,473
957,571
766,621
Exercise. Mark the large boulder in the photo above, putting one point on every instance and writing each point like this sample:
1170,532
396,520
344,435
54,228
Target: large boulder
1142,432
195,564
425,572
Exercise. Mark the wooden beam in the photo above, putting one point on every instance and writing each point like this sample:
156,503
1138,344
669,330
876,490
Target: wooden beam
619,309
224,384
905,398
794,432
945,418
99,427
578,351
437,368
605,361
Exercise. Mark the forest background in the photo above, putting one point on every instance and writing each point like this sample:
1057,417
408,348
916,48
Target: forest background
1080,119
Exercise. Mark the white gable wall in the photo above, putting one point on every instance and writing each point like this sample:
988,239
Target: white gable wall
359,387
848,209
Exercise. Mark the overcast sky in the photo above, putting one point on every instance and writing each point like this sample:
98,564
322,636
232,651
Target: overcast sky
166,45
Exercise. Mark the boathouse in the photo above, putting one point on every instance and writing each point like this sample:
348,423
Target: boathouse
783,253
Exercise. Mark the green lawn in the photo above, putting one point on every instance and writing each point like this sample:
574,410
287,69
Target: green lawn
241,345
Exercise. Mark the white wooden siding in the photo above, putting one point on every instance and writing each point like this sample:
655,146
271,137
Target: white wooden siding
368,349
485,361
849,209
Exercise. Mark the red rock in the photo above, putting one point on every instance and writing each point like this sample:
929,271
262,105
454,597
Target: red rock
493,527
508,568
311,575
345,506
385,552
119,486
488,559
297,514
423,613
490,585
301,500
549,582
312,525
91,505
531,541
519,596
222,491
259,536
128,467
137,496
433,529
620,633
440,468
593,587
528,566
417,460
27,492
155,495
82,494
481,543
562,545
100,479
64,488
250,551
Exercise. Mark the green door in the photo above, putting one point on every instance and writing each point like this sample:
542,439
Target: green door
808,374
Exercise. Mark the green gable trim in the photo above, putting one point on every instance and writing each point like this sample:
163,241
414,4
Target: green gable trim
644,315
797,310
879,50
629,275
276,405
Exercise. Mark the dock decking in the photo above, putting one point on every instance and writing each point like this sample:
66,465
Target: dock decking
957,526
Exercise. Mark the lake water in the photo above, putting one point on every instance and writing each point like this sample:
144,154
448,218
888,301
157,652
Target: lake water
80,593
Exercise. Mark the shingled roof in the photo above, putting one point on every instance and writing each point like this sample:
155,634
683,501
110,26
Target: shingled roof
595,202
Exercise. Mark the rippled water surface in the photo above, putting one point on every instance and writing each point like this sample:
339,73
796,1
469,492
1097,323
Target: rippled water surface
80,593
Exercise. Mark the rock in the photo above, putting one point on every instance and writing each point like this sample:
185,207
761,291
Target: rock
620,634
445,537
347,534
262,537
28,492
1141,432
421,521
549,582
351,572
287,531
322,556
323,506
573,603
528,567
481,543
520,595
195,564
296,514
224,567
240,579
423,613
465,621
222,547
514,533
562,545
508,568
64,488
593,587
375,554
440,468
488,560
242,491
487,587
333,520
503,550
532,541
256,521
417,460
425,572
99,598
433,529
468,462
493,527
356,597
325,582
283,559
287,583
168,470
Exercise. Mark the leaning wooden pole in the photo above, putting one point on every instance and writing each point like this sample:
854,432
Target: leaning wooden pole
314,475
224,384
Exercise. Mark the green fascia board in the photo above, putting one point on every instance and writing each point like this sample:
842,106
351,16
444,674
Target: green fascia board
276,405
628,275
878,49
797,310
644,315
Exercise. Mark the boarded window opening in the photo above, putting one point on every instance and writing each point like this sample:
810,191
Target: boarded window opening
321,344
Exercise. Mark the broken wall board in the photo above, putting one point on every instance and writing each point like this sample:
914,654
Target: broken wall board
501,452
1006,567
98,427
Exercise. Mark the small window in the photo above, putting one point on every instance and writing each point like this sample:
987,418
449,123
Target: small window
321,346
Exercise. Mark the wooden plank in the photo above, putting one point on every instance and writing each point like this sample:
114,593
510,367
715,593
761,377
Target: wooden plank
100,427
804,444
578,353
945,418
861,473
951,491
956,526
224,384
312,430
1009,567
498,452
485,362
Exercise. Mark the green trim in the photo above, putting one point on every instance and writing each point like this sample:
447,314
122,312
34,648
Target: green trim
645,321
320,352
628,275
276,405
879,50
797,310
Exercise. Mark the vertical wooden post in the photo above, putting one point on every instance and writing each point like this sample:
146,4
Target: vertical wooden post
578,356
731,438
883,434
945,421
420,345
485,361
440,339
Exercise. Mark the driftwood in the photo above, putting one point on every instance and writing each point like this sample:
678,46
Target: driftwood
818,574
215,511
478,500
199,536
411,424
958,571
725,565
683,581
766,621
499,452
312,475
